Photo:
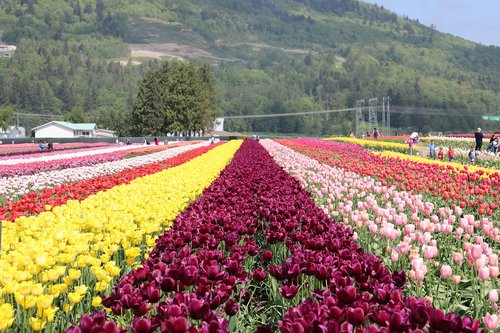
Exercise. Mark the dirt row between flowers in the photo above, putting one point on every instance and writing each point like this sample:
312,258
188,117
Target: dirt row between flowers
255,253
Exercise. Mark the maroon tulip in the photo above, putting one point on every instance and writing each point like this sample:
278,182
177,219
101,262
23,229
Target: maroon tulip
197,309
142,325
267,255
190,275
259,274
168,284
347,295
355,316
153,293
140,274
288,291
178,325
419,315
231,308
437,320
214,273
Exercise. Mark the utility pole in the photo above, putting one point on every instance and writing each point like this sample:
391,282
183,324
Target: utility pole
384,124
359,117
388,120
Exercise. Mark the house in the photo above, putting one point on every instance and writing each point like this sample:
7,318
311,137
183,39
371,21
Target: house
63,129
13,132
6,51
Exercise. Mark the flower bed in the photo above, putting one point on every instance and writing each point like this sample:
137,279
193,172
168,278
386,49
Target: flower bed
7,151
12,188
406,230
54,264
374,144
475,194
37,202
253,246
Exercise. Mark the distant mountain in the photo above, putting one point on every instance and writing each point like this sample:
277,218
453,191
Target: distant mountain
271,57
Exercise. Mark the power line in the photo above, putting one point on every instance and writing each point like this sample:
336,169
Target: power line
394,109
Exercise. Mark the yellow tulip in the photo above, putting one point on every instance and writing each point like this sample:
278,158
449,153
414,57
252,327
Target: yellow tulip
67,307
44,301
48,314
96,301
81,289
37,324
75,297
6,316
37,289
26,301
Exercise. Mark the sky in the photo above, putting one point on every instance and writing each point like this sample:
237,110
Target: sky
475,20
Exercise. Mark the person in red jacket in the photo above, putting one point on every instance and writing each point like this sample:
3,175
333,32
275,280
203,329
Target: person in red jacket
451,154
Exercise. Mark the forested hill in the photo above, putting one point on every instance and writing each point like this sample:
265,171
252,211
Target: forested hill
271,57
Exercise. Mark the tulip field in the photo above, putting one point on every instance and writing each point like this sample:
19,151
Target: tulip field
284,235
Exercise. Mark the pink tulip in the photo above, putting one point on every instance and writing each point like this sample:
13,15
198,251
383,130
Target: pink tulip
476,251
458,258
493,259
493,296
430,252
456,279
493,271
445,271
490,321
484,273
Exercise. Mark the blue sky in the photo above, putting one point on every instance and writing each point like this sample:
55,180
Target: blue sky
475,20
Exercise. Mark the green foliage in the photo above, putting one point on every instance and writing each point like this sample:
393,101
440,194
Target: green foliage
178,97
272,57
6,113
75,116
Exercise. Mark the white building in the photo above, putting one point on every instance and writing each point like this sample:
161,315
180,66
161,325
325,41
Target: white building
63,129
13,132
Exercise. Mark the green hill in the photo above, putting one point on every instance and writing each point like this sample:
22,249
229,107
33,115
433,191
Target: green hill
269,57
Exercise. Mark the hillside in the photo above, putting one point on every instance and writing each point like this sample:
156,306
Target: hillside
270,57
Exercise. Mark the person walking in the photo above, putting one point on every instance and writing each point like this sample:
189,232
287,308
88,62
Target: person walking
375,133
451,154
410,145
432,150
479,138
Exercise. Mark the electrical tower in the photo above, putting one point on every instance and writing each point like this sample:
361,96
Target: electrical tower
360,120
372,112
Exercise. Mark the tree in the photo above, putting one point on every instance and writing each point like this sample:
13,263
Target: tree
177,97
148,113
75,116
6,113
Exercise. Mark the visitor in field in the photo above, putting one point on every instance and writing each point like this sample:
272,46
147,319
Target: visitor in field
441,153
451,154
479,139
375,133
42,145
432,150
410,145
472,155
50,145
157,141
495,146
490,144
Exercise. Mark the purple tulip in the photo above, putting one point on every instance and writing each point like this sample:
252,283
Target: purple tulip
288,291
142,325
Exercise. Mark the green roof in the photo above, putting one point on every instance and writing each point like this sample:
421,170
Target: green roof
81,126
